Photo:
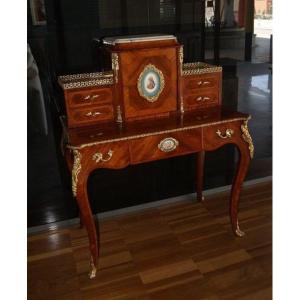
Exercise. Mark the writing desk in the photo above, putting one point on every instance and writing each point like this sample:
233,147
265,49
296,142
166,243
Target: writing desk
117,146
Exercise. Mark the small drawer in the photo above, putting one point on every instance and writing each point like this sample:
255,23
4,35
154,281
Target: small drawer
88,97
201,81
165,145
90,115
217,135
202,98
112,155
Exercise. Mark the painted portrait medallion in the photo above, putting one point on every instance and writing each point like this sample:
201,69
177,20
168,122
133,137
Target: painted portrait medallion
151,82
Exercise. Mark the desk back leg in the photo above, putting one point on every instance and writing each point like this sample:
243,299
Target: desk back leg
200,172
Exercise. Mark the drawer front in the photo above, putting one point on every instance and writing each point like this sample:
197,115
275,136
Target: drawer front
201,81
217,135
202,98
165,145
89,97
112,155
90,115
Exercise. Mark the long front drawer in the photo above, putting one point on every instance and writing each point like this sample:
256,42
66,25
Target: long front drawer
165,145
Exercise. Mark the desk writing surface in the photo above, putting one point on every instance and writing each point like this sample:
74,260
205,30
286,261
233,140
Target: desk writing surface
176,122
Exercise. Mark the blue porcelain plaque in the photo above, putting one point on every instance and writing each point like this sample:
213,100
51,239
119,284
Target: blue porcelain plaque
151,83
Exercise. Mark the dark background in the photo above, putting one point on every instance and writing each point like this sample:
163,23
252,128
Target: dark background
69,44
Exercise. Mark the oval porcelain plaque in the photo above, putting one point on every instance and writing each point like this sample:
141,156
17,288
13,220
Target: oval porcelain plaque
168,144
150,83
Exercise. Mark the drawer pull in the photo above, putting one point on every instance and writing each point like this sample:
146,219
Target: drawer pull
98,156
95,135
200,98
88,97
93,114
228,133
203,82
168,144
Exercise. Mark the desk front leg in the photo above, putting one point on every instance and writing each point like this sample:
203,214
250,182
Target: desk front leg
80,174
243,164
235,133
246,151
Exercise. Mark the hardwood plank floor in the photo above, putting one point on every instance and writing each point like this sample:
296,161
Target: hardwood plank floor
182,251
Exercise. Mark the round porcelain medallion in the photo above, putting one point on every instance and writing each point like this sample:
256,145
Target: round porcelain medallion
151,83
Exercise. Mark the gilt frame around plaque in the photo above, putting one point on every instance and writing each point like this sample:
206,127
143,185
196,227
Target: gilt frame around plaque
151,83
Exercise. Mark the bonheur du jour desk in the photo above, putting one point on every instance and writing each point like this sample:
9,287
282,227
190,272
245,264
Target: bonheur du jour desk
112,146
148,106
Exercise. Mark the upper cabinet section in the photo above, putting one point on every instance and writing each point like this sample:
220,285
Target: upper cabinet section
147,79
146,74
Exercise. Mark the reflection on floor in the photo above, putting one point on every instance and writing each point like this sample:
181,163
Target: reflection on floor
182,251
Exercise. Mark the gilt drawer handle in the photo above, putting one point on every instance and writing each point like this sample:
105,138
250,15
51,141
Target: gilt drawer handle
93,114
88,97
228,133
203,82
168,144
98,156
200,98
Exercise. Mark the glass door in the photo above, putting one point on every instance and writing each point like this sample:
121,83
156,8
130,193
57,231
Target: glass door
262,38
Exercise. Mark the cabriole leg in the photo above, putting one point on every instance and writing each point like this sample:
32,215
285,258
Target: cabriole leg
79,186
243,165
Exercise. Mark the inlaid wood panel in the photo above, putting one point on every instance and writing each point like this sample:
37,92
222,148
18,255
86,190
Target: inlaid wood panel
165,145
90,115
201,91
201,81
114,155
200,99
132,64
219,134
91,96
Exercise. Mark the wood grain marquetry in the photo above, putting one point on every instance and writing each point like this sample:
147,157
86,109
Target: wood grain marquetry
147,149
201,81
89,97
201,91
215,136
133,64
201,99
111,155
90,115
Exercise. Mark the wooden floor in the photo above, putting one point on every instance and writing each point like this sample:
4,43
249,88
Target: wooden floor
182,251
